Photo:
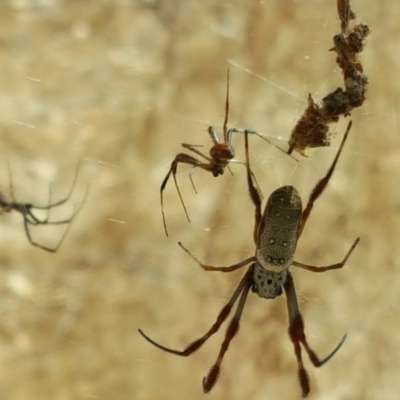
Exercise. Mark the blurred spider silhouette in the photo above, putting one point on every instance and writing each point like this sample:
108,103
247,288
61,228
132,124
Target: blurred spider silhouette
30,217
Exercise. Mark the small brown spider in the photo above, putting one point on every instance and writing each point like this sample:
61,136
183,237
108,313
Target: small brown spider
220,155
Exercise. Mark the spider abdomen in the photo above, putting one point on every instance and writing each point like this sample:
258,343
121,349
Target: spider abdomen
279,229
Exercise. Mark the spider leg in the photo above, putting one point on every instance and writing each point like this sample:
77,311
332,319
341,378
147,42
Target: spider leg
229,168
244,284
33,220
192,147
273,144
227,139
27,222
252,174
228,132
11,186
298,337
68,221
233,328
191,178
185,159
321,185
339,265
28,209
48,210
230,268
254,193
65,199
206,167
251,132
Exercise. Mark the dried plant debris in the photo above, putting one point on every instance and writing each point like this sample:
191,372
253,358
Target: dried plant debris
312,129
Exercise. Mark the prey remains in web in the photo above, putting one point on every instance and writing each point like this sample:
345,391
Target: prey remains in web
312,129
29,213
221,154
276,233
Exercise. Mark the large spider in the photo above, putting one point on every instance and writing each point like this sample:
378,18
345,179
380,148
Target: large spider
276,233
27,210
221,154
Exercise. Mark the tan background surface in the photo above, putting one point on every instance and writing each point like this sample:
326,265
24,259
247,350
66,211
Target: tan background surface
120,84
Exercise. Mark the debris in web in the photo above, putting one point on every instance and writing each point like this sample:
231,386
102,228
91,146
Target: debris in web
312,129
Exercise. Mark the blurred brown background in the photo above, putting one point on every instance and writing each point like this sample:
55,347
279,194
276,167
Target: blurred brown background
119,85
